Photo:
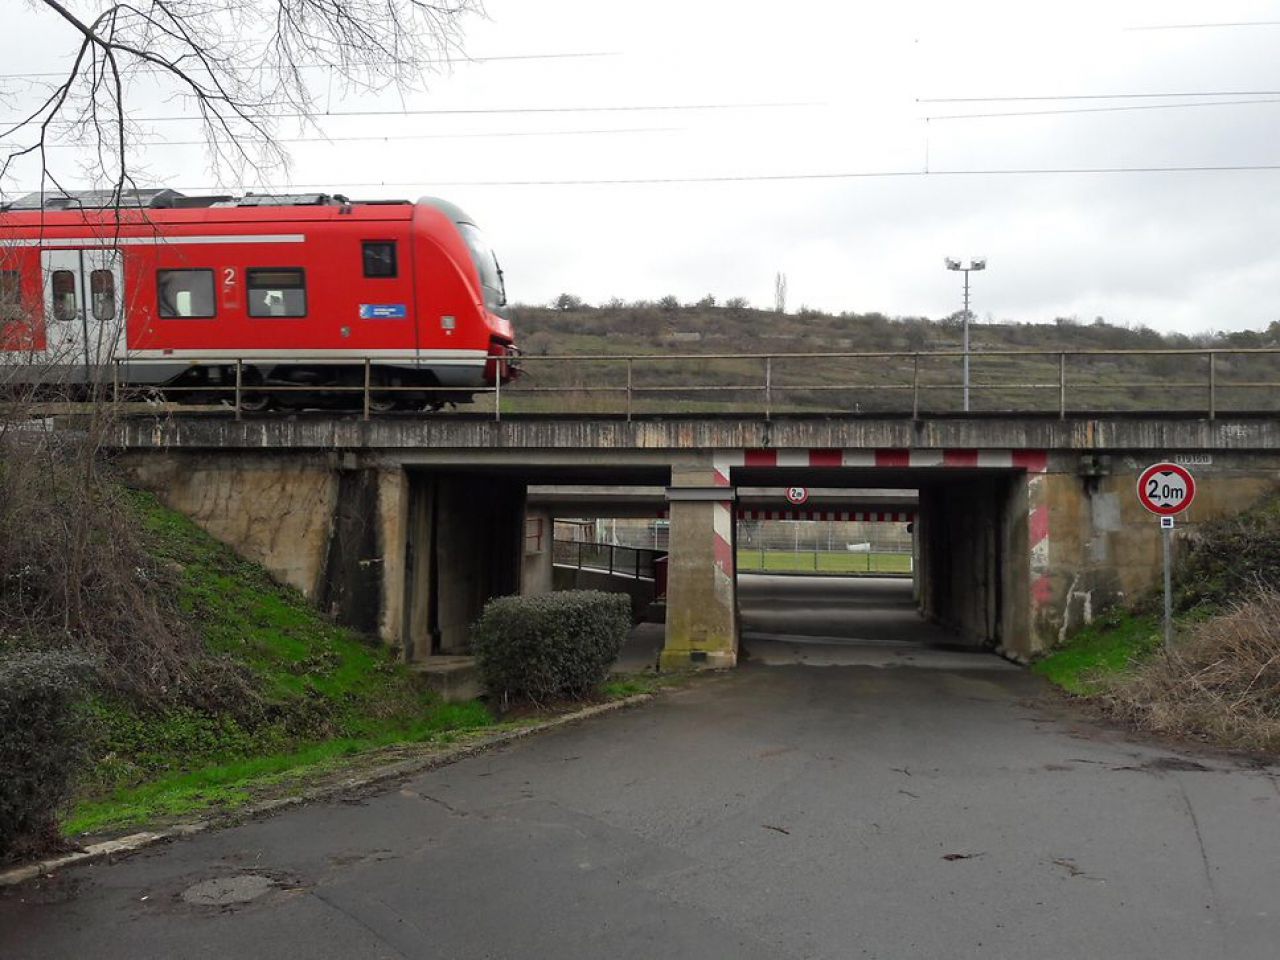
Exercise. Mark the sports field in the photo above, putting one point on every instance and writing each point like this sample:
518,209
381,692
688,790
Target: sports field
822,561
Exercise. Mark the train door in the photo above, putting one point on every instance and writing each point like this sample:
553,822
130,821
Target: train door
84,307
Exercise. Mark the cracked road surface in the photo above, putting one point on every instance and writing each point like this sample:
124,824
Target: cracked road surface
911,804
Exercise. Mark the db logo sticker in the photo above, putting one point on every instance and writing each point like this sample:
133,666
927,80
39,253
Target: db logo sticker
797,495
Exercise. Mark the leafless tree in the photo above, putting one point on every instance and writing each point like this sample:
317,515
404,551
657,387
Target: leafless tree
238,67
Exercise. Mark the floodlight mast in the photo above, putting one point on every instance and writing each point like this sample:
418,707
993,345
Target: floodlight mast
978,263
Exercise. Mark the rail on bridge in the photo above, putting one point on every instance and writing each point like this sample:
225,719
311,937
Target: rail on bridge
1208,382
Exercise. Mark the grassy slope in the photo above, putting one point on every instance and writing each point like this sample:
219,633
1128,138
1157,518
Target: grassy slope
325,691
1230,557
1105,649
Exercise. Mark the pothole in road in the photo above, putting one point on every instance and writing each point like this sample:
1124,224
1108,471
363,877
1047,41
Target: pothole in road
228,891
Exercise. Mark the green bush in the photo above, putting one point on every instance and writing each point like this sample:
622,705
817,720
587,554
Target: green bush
1231,558
551,646
41,744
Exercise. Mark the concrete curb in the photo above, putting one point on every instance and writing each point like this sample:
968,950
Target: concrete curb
391,771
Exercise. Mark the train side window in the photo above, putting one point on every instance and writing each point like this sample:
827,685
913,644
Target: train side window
102,294
276,292
185,294
62,284
11,295
379,258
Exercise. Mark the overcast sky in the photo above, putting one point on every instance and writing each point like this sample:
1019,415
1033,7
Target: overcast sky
1187,251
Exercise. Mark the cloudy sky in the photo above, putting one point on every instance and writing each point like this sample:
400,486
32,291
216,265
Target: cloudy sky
829,156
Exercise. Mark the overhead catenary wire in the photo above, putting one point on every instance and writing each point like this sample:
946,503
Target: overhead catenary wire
1204,26
1101,96
383,138
739,178
1060,111
486,111
281,68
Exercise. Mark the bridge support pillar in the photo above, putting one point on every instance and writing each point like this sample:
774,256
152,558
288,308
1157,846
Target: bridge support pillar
702,615
537,572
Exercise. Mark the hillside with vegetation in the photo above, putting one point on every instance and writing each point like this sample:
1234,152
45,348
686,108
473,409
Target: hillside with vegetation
148,672
678,343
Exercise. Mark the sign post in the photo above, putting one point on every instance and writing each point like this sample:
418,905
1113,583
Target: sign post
1166,489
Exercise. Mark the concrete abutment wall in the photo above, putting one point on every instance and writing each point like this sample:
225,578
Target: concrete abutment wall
410,556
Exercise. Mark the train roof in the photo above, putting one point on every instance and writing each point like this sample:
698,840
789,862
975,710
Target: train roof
162,198
171,206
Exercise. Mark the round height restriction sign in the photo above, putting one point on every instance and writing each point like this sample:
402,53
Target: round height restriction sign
1166,489
797,495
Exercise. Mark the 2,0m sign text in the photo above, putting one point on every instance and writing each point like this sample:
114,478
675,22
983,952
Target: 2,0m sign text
1166,489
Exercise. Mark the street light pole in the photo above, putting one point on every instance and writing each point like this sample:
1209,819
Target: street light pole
978,264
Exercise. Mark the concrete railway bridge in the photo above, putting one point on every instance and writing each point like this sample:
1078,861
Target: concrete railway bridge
1026,526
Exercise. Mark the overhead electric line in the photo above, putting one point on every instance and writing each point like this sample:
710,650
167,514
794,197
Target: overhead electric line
481,111
383,139
1124,109
749,178
1101,96
356,63
1205,26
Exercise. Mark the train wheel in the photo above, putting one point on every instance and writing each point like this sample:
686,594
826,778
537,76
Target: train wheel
255,402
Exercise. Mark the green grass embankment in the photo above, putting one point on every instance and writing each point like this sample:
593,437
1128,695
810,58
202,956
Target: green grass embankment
1106,649
320,693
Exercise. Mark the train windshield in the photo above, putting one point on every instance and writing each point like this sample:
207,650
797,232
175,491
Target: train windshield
495,292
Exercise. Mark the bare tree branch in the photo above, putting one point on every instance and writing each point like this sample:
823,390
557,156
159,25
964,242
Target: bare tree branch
238,66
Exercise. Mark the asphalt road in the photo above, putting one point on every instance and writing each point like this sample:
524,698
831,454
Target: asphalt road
833,610
919,803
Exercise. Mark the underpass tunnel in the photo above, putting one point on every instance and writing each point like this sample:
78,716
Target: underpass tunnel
958,578
831,573
837,569
472,534
942,556
974,562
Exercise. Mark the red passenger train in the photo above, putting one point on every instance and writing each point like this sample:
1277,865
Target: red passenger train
306,292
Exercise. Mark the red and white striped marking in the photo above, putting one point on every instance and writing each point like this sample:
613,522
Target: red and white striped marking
722,526
863,516
1032,461
1038,541
1035,462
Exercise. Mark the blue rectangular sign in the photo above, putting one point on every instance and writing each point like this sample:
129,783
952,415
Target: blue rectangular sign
383,311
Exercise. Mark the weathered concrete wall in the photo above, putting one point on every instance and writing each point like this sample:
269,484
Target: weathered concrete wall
1103,548
393,536
528,440
640,591
274,510
335,534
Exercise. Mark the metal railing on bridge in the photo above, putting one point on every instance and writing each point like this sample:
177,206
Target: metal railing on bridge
636,562
1201,382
